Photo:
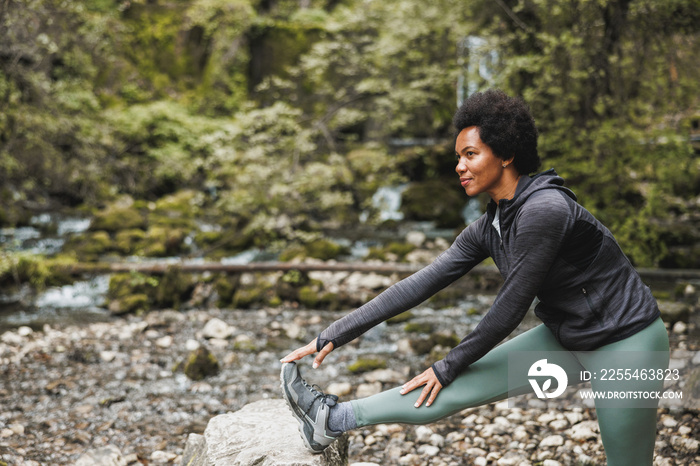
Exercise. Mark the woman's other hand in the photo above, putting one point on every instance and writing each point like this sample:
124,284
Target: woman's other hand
307,350
431,389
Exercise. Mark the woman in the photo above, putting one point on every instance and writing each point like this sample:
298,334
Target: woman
594,307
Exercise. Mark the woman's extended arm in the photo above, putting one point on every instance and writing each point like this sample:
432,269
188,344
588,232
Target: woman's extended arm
462,256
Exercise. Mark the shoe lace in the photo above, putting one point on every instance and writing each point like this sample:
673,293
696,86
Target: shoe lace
327,399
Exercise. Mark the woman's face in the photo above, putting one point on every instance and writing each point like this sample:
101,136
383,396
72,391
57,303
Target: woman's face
479,170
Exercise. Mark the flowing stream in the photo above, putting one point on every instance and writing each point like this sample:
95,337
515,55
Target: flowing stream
84,301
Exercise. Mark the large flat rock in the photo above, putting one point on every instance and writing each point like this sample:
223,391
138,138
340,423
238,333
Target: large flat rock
263,433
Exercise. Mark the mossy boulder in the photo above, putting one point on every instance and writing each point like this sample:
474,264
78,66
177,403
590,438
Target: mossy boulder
125,284
672,311
130,292
245,298
325,249
163,242
219,244
182,204
89,246
201,364
245,344
438,341
116,218
322,249
23,267
226,286
366,365
418,327
309,296
421,345
132,304
449,340
401,318
129,241
393,252
173,288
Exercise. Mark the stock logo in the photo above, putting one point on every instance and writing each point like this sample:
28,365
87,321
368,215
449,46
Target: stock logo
542,368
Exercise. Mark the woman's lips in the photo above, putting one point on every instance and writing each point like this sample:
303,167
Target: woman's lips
465,181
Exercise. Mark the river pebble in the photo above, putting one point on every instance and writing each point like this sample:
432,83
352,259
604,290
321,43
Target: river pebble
117,389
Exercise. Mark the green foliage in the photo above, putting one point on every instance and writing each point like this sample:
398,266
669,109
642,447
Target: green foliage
284,119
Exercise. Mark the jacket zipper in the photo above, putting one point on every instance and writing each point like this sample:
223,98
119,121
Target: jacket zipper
500,236
591,307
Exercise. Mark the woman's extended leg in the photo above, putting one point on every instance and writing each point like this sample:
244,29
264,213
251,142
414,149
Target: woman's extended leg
630,368
483,382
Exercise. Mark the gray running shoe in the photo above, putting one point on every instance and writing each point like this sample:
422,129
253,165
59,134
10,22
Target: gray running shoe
310,406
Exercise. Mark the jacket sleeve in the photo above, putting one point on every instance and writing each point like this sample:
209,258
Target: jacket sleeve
466,251
540,228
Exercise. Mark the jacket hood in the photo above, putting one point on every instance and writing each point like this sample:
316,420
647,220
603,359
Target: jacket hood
527,186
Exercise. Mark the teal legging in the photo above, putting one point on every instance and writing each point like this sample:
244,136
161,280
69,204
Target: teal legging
628,431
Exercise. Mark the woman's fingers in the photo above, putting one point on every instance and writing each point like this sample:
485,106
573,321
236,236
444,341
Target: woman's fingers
430,391
433,393
321,354
307,350
300,352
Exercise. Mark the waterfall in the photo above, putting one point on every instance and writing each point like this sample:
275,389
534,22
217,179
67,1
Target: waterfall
387,200
472,210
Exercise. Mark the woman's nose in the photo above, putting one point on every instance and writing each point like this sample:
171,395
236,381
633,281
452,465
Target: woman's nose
461,165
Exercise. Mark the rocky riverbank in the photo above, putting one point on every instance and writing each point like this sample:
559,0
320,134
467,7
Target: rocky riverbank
67,390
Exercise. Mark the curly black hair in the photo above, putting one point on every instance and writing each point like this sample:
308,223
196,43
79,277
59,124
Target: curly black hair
505,125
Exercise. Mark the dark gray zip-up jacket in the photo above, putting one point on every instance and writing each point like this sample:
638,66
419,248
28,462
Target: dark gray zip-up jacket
549,247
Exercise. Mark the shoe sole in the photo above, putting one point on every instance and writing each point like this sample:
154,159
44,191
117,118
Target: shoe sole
299,417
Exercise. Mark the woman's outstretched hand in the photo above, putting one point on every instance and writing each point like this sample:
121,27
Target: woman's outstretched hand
307,350
431,389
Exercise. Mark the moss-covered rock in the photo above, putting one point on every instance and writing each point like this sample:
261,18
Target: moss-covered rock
117,218
449,340
392,252
22,267
440,340
244,343
366,365
131,304
672,312
322,249
325,249
173,288
438,352
421,345
163,242
418,327
292,252
200,364
401,318
129,241
245,298
309,296
129,283
89,246
226,286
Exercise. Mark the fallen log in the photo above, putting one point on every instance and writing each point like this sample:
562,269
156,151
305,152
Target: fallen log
218,267
665,275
